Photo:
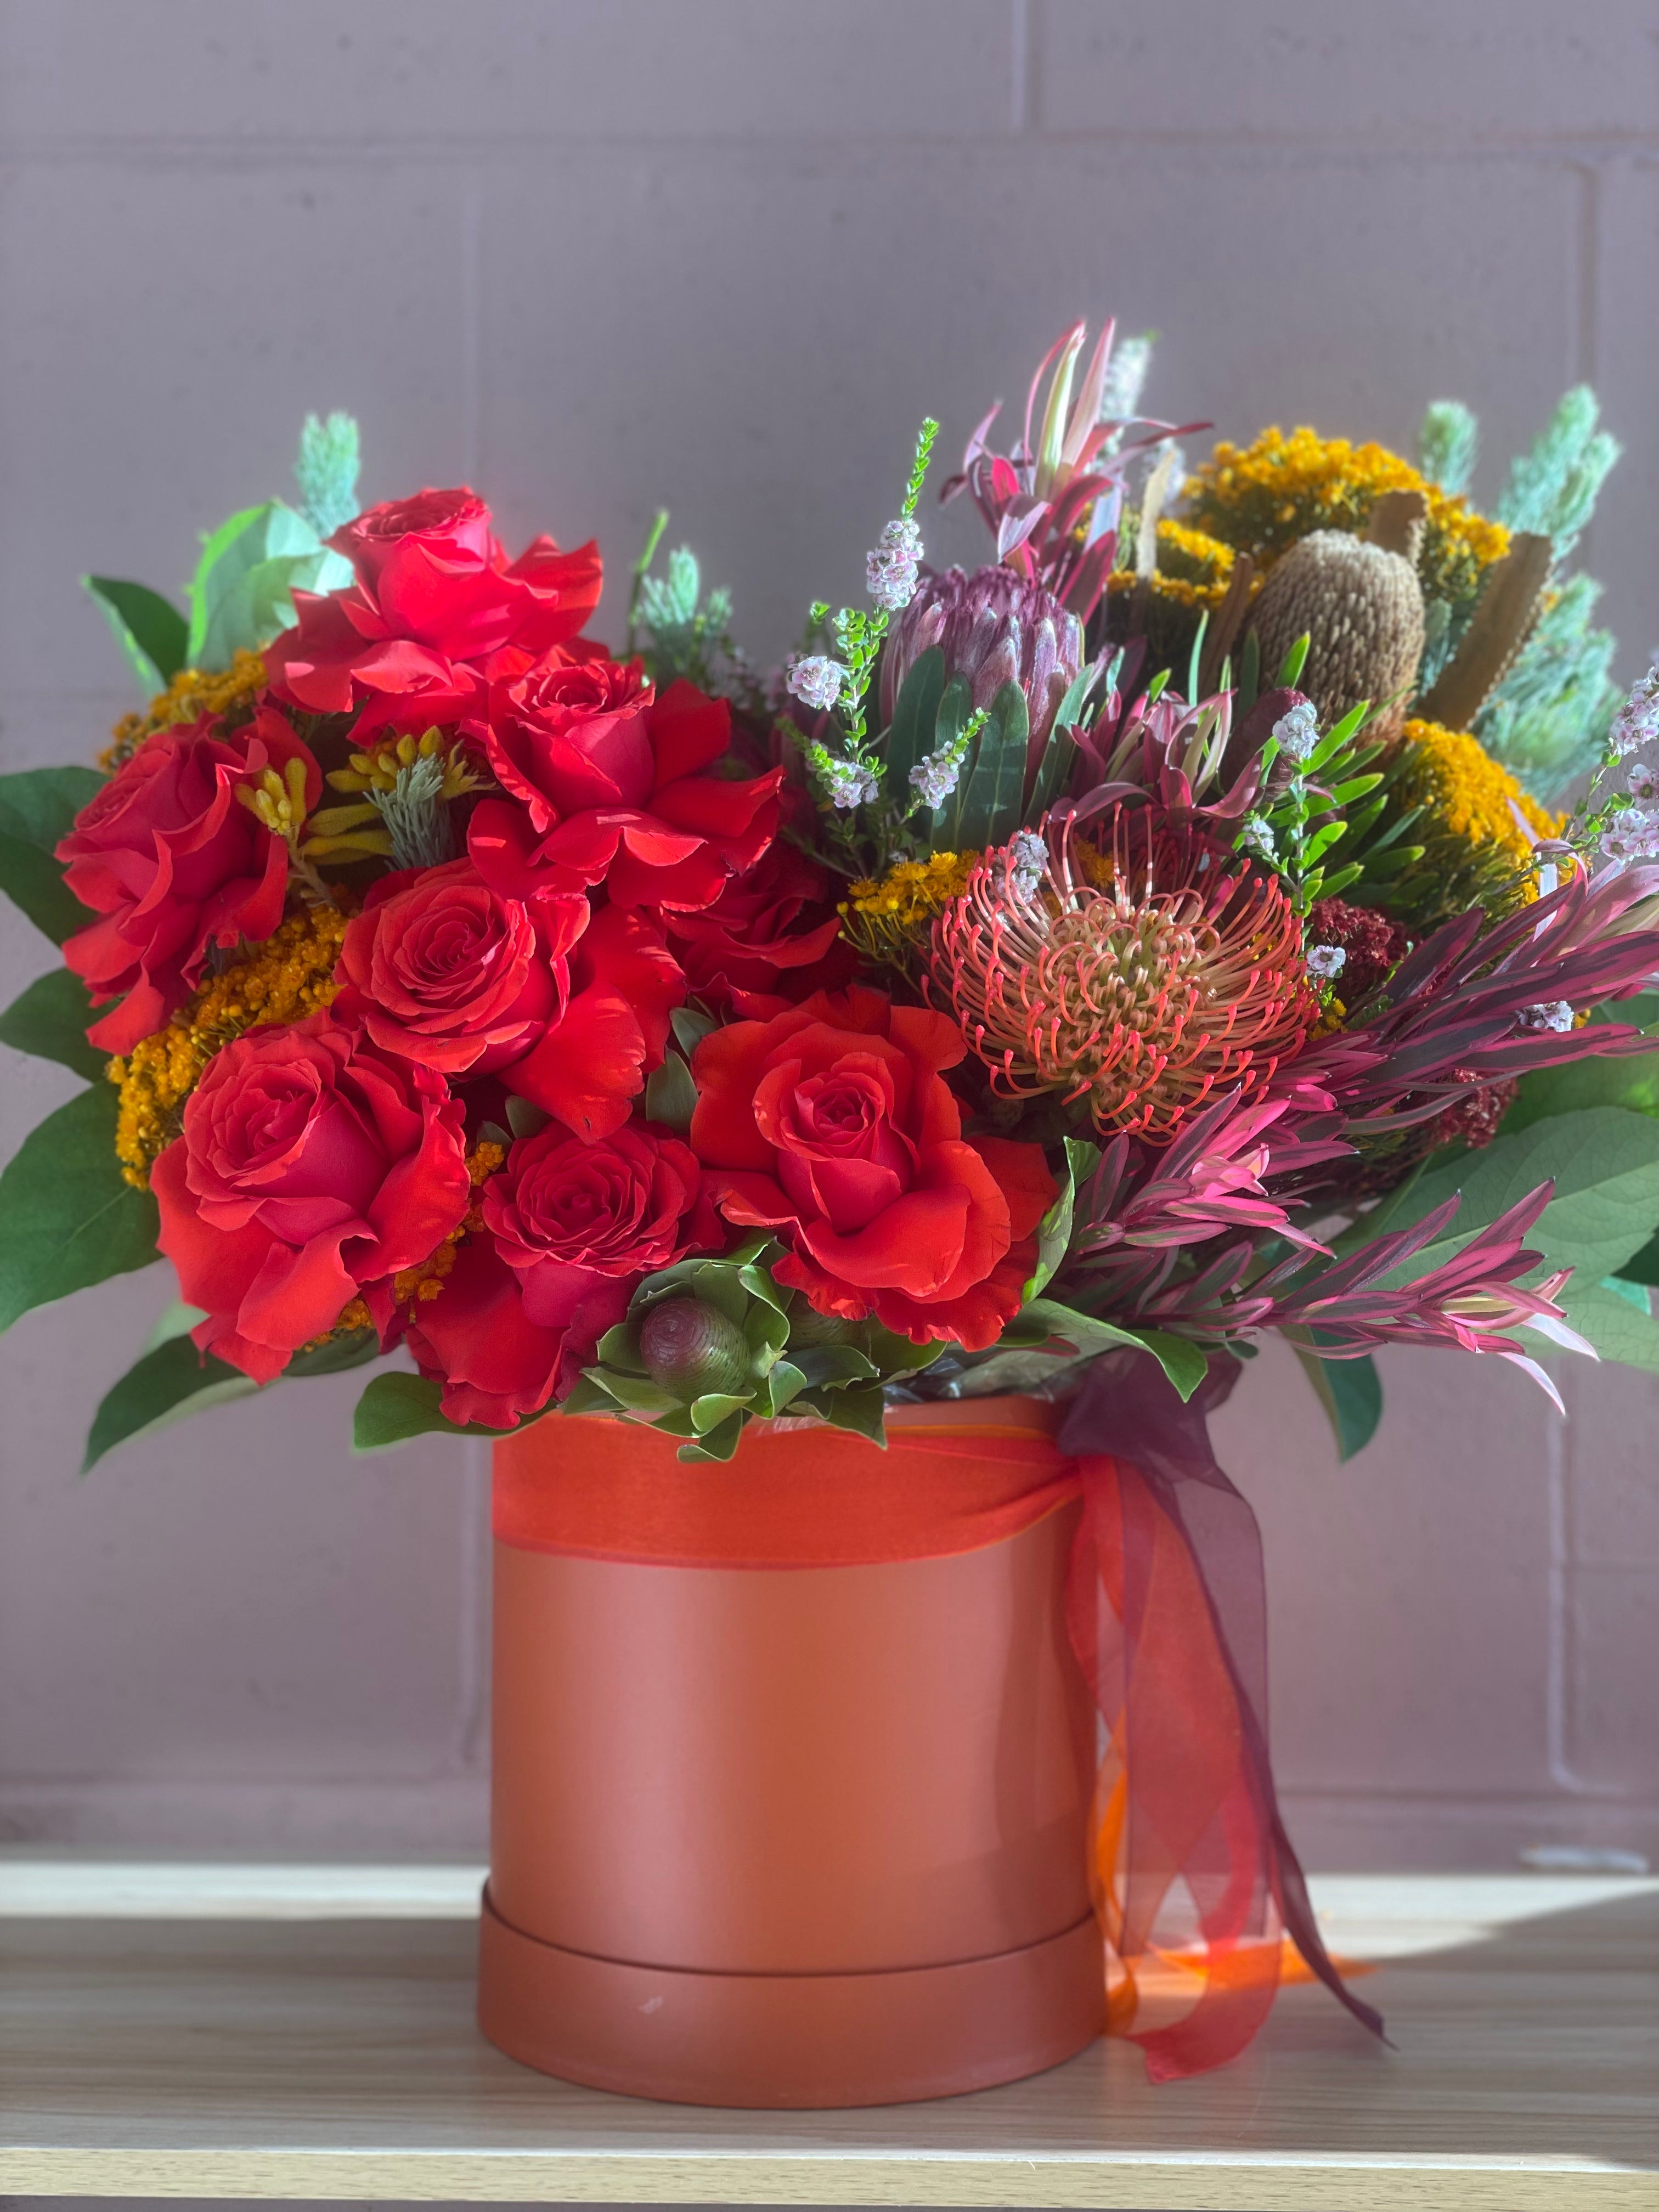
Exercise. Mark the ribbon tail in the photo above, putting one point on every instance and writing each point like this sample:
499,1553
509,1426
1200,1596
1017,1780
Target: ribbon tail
1167,1610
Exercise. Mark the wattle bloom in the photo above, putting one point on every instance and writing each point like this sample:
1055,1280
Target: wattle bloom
174,863
1176,977
435,603
605,782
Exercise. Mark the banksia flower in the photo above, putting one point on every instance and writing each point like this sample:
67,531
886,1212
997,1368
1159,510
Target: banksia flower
994,628
1363,613
1176,974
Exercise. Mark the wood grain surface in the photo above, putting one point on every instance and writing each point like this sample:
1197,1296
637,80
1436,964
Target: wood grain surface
336,2058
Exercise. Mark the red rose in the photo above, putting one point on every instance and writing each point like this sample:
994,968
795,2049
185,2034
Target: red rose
770,939
832,1125
440,969
590,1064
173,863
604,782
569,1228
435,600
312,1167
625,1206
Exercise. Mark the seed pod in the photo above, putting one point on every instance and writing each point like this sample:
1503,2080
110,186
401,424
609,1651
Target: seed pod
1363,611
691,1348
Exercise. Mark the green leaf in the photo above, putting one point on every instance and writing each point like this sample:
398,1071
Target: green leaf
956,708
671,1096
50,1019
1632,1083
1055,1230
1056,766
1351,1391
911,734
1618,1329
239,596
1178,1356
67,1219
784,1383
989,796
1250,675
1643,1266
335,1356
719,1443
149,630
1605,1163
165,1386
523,1119
861,1408
713,1408
1292,665
691,1025
37,807
396,1407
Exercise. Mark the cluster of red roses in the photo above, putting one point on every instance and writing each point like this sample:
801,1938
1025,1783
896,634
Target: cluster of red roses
616,863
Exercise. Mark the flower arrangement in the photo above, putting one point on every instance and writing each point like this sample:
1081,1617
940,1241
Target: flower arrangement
1128,947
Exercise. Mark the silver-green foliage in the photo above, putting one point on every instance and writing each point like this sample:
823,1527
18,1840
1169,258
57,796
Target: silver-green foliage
1447,445
1548,718
1552,490
326,472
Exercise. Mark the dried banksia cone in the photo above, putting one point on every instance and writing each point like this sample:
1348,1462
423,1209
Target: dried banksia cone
1362,612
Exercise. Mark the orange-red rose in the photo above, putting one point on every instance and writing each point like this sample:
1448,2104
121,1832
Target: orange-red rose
416,638
568,1228
832,1125
173,863
606,783
312,1168
439,969
770,939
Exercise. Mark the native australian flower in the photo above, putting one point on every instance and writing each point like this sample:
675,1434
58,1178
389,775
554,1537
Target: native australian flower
1144,975
1053,504
890,567
993,627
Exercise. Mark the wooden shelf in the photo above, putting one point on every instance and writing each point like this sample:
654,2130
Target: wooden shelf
284,2033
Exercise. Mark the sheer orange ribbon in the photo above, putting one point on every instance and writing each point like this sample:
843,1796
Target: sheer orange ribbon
1192,1877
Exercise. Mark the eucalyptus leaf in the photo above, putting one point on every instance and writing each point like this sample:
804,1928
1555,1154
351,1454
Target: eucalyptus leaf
68,1220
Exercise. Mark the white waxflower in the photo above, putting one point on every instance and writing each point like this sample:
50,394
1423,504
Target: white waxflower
1643,780
1028,859
1637,722
937,776
891,566
1259,837
816,680
1557,1014
1327,961
1126,375
848,783
1632,835
1297,730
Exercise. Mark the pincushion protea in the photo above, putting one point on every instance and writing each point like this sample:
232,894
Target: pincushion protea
1176,974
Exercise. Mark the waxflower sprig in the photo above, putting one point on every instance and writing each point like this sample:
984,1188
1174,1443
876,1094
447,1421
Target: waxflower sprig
852,778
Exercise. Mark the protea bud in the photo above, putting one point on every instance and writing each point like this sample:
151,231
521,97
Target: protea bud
994,628
689,1348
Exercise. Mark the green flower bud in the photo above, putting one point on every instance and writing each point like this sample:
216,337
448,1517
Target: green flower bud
691,1348
808,1327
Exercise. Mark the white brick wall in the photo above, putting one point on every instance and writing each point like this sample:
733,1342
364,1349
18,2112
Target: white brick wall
599,255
